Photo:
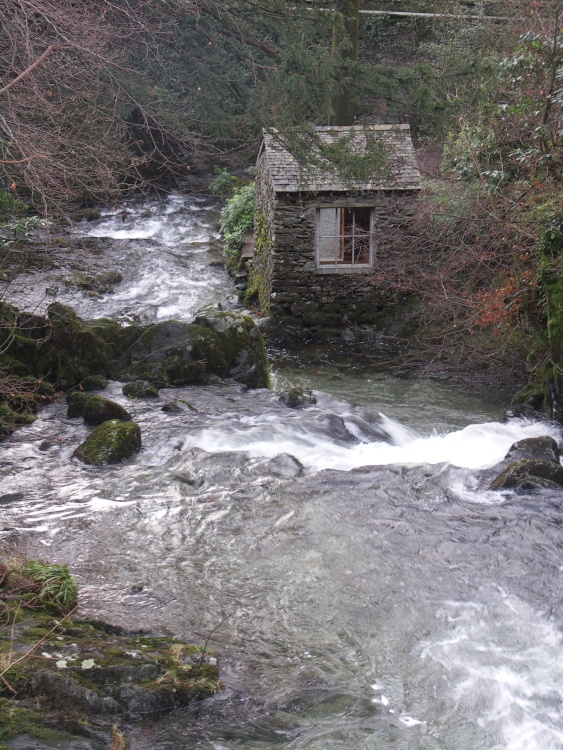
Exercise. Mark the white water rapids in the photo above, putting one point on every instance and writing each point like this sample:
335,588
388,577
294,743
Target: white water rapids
372,592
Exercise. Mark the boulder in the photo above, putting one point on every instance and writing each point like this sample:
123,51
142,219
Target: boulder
95,409
528,470
177,407
297,398
140,389
110,443
94,383
217,343
66,349
541,448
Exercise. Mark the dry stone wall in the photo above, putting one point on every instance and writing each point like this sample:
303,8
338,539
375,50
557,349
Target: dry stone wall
311,303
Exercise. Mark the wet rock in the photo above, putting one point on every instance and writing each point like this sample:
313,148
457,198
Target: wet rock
297,398
284,465
336,428
527,470
224,344
94,383
541,448
110,443
95,409
89,675
65,349
46,445
531,484
177,407
98,283
140,389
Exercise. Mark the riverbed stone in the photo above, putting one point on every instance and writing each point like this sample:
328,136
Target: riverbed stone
110,443
298,397
95,409
140,389
520,471
87,676
542,448
94,383
224,344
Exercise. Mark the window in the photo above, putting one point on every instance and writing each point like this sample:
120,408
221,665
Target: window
344,236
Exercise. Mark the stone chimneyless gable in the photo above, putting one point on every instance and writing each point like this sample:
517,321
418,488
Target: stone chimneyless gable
315,231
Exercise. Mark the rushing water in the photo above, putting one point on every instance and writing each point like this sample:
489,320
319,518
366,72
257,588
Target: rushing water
362,586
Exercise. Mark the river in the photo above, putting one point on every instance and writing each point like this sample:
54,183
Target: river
363,588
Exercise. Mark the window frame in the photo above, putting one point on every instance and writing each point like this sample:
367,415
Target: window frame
335,267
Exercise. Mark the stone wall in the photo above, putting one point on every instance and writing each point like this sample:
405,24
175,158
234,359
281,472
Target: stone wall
260,275
311,303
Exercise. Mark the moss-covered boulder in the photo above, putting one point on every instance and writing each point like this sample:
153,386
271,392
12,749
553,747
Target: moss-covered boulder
217,343
68,681
94,383
140,389
95,409
20,398
65,349
543,448
525,470
110,443
102,282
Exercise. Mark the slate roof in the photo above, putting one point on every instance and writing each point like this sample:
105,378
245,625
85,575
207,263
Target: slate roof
288,176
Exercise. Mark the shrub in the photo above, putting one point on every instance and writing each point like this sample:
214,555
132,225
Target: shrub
237,220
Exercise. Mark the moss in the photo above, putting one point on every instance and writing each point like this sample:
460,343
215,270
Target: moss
16,721
110,443
260,271
94,383
518,471
11,420
140,389
85,664
98,410
72,350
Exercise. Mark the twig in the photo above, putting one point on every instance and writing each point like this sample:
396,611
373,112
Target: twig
28,70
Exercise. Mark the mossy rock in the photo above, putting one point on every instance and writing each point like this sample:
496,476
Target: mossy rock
70,349
140,389
102,282
11,420
110,443
74,674
94,383
95,409
519,471
217,343
98,410
542,448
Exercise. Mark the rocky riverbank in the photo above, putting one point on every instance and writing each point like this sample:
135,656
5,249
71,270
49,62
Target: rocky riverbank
58,352
81,682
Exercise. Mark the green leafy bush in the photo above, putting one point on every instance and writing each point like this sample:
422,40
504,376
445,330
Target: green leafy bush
237,220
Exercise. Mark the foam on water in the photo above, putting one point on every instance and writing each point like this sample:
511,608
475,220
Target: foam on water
504,663
475,446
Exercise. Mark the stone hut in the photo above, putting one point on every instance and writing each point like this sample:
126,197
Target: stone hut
315,231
